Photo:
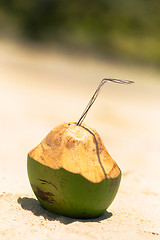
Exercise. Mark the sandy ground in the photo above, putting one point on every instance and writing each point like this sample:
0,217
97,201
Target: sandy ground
40,89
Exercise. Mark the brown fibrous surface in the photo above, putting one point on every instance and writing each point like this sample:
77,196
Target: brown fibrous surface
77,149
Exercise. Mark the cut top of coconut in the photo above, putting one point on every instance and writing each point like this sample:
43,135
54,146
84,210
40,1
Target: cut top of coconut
77,149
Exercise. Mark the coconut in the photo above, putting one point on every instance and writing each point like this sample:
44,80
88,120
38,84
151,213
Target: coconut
71,171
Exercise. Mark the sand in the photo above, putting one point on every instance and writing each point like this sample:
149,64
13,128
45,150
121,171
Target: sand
42,88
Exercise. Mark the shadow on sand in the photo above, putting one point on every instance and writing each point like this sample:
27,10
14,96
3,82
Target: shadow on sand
33,205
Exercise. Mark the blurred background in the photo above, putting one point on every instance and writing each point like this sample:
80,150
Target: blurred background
127,30
53,55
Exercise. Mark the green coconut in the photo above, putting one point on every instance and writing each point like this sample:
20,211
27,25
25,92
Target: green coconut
71,171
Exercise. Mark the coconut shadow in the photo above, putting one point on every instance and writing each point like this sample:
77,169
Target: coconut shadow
33,205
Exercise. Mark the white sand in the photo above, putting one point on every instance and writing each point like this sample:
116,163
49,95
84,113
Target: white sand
40,89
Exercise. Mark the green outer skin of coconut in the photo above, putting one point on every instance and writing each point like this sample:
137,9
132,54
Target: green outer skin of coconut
70,194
